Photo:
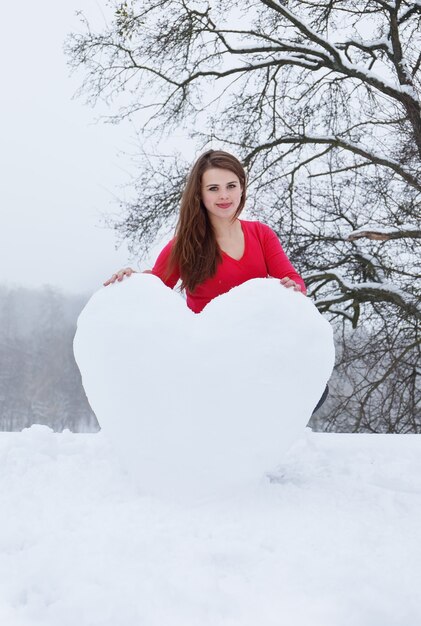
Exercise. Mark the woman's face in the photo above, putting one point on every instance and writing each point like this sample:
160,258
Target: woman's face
221,192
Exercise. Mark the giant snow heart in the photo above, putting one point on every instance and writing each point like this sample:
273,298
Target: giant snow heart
203,403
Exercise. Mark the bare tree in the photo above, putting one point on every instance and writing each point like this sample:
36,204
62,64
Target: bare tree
321,102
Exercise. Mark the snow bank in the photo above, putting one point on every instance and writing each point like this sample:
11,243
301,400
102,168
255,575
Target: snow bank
197,405
334,540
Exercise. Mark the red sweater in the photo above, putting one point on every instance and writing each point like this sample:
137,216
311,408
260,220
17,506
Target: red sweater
263,256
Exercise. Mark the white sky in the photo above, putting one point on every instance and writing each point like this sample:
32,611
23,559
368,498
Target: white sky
60,171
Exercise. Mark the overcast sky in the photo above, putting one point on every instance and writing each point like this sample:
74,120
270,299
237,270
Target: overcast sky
59,170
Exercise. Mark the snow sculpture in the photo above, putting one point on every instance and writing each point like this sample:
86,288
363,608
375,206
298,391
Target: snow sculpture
202,404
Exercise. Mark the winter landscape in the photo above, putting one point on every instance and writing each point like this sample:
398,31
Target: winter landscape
162,468
333,540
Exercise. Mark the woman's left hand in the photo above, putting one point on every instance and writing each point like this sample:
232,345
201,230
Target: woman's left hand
288,282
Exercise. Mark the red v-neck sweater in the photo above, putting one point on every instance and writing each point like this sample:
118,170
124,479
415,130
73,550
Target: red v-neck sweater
263,256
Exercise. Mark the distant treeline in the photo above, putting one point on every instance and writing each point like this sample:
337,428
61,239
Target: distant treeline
40,382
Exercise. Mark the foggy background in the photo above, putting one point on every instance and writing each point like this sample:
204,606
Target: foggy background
62,174
61,171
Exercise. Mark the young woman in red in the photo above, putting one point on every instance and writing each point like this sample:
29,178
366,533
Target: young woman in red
213,250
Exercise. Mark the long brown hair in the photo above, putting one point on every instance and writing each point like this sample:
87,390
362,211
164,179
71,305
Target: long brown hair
195,251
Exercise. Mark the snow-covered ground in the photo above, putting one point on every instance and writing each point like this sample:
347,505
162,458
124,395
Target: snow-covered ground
335,540
191,532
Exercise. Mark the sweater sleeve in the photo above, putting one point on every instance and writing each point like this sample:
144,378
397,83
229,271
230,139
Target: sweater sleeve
160,268
277,263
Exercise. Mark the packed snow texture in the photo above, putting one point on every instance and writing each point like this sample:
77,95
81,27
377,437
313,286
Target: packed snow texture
202,404
334,540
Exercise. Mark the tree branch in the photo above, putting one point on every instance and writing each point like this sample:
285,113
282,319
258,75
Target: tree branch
345,145
385,234
365,292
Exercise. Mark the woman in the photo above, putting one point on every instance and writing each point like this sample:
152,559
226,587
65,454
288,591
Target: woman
213,250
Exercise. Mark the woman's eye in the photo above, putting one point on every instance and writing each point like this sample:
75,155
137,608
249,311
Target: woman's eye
215,188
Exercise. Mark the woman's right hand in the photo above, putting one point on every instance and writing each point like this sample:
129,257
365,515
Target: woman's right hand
127,271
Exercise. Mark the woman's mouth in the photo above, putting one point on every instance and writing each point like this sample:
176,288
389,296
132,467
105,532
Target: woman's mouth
224,206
